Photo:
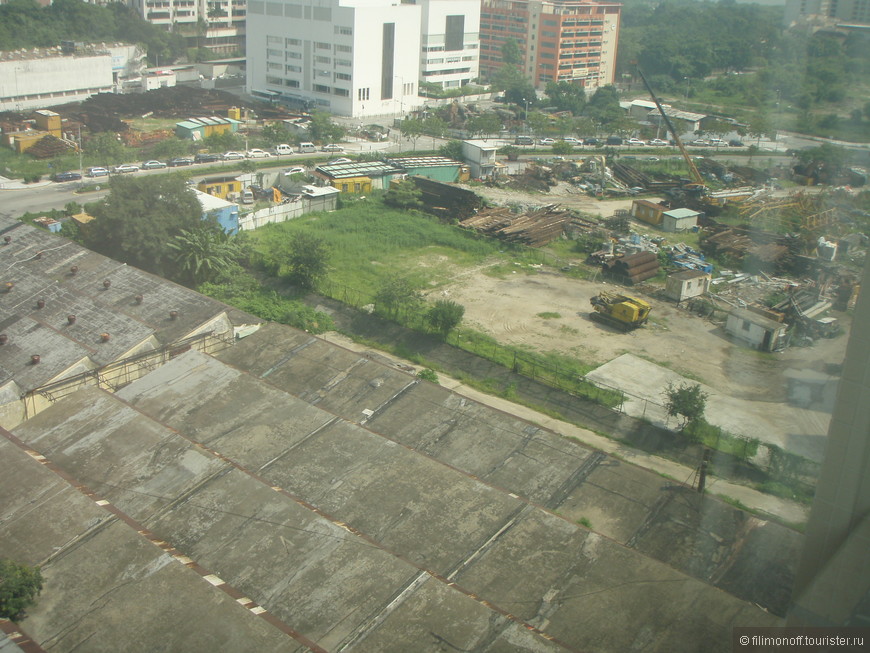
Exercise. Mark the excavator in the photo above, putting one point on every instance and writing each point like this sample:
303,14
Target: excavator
621,311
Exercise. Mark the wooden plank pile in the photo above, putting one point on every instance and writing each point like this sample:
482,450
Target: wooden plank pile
534,228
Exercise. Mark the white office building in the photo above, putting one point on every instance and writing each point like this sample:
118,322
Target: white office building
450,41
359,58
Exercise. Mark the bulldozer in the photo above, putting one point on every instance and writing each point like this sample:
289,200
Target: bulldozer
621,311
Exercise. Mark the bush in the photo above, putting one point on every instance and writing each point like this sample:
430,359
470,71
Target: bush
428,375
19,587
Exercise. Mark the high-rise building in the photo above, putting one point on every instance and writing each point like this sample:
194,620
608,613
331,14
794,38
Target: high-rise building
359,57
450,41
560,40
845,15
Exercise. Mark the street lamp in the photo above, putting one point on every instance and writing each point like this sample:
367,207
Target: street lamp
526,115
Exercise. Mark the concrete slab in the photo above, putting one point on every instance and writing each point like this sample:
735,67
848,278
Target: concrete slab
106,588
798,430
568,580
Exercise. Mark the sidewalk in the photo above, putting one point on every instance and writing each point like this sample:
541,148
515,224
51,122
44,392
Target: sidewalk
17,184
764,504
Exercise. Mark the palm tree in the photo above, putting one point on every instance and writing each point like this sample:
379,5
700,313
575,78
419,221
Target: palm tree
204,253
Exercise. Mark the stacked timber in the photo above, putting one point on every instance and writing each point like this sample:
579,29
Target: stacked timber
633,268
448,202
534,228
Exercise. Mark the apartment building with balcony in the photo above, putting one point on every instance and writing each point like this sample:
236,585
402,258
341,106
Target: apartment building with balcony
560,40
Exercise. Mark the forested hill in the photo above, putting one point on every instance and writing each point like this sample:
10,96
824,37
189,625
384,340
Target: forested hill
680,43
24,24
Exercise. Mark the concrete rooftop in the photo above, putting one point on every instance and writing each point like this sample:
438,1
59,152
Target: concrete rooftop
367,510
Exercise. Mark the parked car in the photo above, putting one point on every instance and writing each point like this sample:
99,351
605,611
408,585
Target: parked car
546,141
635,142
572,140
257,153
524,140
179,161
332,147
282,149
125,167
735,143
716,142
657,142
66,176
613,140
232,156
591,141
699,142
153,165
297,170
342,159
97,171
206,158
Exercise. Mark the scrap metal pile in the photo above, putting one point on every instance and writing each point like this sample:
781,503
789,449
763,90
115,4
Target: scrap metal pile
534,228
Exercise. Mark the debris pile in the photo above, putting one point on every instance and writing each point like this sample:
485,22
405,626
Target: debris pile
533,228
450,203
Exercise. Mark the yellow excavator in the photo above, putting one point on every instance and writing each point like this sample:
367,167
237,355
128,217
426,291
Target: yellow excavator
621,311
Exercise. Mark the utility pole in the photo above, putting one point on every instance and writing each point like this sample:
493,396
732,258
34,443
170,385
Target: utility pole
81,167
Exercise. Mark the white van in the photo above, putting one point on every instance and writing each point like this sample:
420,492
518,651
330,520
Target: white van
247,196
307,148
283,148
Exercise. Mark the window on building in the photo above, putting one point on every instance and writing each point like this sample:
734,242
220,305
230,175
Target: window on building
387,57
454,35
320,88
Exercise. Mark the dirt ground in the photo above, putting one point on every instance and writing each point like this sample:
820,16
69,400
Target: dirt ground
547,311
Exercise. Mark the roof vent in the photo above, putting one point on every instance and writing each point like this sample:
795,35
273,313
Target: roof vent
106,284
173,315
104,337
138,299
34,359
74,270
40,303
9,286
71,319
3,338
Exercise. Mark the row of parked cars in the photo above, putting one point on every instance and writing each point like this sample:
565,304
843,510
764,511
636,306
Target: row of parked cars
630,142
255,153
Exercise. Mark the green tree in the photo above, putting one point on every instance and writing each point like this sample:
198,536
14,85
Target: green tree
412,128
685,401
562,148
484,124
275,133
203,254
538,122
511,53
397,294
19,587
139,217
403,195
428,375
452,149
444,316
307,261
566,96
322,128
104,147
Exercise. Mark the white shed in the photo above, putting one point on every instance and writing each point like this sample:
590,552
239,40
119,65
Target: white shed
755,330
684,285
679,219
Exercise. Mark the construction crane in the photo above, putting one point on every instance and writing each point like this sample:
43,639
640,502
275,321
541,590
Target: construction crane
696,176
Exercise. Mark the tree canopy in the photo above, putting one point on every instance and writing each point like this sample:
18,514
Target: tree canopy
19,587
140,217
686,401
25,24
